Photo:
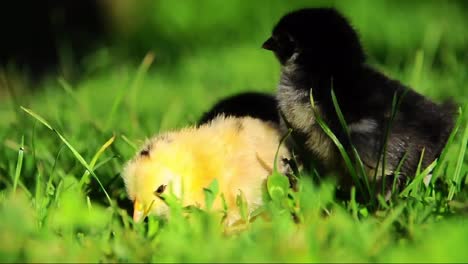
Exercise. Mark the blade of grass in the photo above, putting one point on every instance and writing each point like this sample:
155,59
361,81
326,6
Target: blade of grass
339,113
19,165
275,166
130,143
101,150
101,163
385,141
418,179
421,157
133,89
383,153
397,172
95,158
52,173
354,150
68,89
442,158
362,170
417,70
141,71
72,149
458,167
210,194
338,144
117,101
39,173
387,223
277,183
88,203
39,168
383,202
38,191
396,103
353,204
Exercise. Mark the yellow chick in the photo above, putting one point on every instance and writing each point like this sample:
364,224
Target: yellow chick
237,151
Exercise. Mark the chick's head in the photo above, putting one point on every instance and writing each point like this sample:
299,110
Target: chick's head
317,39
154,172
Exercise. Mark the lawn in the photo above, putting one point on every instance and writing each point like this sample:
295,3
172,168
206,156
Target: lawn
65,140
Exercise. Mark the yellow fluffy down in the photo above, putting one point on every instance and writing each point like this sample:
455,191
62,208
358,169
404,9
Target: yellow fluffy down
238,152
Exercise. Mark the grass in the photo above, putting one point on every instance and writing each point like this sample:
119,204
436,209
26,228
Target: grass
64,145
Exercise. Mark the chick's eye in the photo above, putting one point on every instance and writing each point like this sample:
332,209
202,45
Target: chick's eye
286,39
160,189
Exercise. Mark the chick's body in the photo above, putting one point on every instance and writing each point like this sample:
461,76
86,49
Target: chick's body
319,50
237,152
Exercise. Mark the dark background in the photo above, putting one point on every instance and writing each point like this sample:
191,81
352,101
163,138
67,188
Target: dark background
53,36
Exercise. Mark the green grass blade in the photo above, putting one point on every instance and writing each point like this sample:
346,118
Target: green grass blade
339,113
353,204
383,154
344,125
95,158
210,194
38,190
396,103
338,144
133,89
242,206
418,67
362,171
100,151
68,88
387,223
52,173
277,183
418,179
117,101
396,173
38,117
104,161
421,157
141,71
275,166
458,167
72,149
442,158
19,165
129,142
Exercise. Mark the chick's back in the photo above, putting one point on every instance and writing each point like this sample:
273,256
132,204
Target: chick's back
245,149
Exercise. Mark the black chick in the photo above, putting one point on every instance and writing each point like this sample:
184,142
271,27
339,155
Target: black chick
254,104
319,50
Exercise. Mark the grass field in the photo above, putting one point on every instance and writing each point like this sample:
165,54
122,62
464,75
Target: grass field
168,63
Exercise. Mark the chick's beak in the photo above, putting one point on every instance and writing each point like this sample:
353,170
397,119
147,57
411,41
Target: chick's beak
269,44
138,211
